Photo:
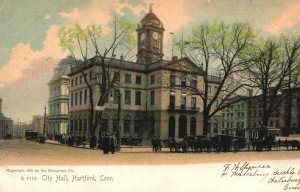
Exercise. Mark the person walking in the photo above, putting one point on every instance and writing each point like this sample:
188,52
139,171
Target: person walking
105,147
113,144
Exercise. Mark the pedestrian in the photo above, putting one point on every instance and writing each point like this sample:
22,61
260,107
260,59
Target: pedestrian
83,141
113,144
105,147
93,141
153,142
286,143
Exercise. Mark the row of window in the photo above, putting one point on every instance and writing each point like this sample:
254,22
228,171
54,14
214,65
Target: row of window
183,83
183,101
81,125
58,109
231,125
239,115
79,98
117,78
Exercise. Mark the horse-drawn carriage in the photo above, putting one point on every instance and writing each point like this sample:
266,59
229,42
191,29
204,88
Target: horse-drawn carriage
218,143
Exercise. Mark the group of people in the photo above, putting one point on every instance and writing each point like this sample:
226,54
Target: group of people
156,144
109,144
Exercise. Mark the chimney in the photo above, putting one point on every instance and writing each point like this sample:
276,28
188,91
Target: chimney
0,106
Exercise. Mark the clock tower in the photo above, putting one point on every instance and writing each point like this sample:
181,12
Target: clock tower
150,39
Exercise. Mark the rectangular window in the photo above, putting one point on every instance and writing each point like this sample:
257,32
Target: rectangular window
76,81
117,76
126,126
76,98
172,80
104,125
208,89
216,104
85,96
137,126
127,97
71,126
116,96
216,89
80,97
172,101
138,79
152,97
72,83
138,97
194,84
72,99
193,103
183,81
80,80
208,101
127,78
115,126
152,79
183,101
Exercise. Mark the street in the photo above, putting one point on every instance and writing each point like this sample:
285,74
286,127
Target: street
22,152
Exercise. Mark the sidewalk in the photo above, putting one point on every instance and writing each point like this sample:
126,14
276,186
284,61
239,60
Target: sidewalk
87,146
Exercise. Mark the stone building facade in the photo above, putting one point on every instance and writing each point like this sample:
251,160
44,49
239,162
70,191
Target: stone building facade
58,102
150,94
6,125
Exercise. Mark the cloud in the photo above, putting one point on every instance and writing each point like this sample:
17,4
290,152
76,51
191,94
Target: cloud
22,57
72,15
289,17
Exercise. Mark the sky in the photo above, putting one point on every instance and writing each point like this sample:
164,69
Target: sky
29,47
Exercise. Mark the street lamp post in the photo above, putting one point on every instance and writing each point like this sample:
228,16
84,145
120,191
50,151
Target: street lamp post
44,132
119,114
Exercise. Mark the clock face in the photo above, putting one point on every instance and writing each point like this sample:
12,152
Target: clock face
155,35
143,36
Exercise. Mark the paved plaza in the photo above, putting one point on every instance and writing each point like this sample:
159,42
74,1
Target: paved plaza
22,152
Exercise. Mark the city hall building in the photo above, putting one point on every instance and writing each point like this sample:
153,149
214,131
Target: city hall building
151,97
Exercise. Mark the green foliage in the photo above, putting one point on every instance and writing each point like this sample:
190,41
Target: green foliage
129,31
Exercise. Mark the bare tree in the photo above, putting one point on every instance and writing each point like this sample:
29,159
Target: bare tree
81,41
219,46
272,66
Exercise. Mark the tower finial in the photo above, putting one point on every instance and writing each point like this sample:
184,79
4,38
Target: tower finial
150,7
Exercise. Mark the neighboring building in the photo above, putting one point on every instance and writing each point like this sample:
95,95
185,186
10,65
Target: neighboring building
152,92
244,118
58,102
19,129
235,120
6,125
38,124
279,117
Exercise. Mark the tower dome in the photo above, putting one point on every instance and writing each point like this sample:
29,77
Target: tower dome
151,18
150,39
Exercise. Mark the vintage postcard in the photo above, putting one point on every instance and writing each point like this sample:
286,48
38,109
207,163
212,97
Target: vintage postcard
149,95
